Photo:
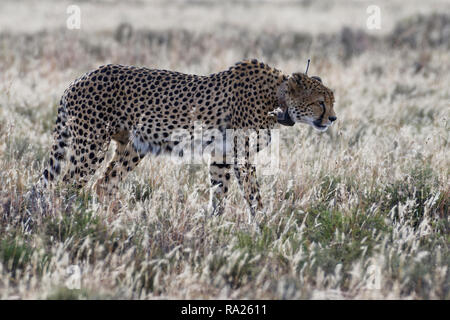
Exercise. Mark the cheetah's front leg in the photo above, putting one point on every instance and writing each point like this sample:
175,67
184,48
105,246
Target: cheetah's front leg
246,175
219,175
125,159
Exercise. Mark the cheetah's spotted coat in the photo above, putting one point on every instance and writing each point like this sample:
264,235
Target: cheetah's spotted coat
140,108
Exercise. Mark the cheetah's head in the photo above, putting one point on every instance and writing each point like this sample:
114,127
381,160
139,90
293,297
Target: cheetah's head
305,99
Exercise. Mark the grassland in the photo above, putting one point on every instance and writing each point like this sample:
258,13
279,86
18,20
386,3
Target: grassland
358,212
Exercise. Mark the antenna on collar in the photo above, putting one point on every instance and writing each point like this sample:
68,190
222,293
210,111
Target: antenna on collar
307,66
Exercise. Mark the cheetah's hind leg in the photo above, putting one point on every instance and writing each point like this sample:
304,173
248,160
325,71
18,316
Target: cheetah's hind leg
85,159
124,160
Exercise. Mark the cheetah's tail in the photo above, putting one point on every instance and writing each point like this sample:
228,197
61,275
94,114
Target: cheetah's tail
61,134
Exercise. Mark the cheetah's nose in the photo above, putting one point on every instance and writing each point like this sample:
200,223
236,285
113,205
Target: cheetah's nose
333,118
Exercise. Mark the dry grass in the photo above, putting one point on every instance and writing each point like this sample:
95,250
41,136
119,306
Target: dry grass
358,212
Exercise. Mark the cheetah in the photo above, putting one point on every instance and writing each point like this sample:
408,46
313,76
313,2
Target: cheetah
140,108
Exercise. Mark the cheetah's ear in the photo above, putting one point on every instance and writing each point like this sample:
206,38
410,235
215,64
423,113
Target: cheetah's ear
298,84
317,78
295,83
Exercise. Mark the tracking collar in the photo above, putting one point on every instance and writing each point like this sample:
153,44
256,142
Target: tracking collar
282,113
284,118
